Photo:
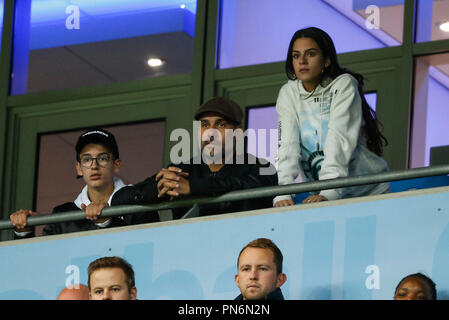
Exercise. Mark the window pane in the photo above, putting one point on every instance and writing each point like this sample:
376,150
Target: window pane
263,122
431,110
433,20
62,44
2,2
251,33
141,149
371,98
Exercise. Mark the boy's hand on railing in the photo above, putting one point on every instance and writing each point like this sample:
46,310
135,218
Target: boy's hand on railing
93,210
19,219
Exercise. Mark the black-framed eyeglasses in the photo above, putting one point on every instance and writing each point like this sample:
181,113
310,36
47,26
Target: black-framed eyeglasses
102,160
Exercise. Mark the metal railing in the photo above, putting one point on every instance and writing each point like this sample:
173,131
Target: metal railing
242,195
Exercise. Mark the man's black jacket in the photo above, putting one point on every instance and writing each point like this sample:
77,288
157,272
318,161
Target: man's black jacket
203,182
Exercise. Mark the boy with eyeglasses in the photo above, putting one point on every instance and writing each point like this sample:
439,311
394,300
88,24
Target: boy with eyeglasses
97,162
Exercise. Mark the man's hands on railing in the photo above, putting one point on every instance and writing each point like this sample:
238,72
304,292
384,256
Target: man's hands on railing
173,182
19,219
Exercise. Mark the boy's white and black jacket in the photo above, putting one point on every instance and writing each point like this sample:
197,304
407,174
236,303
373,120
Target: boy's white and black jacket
320,137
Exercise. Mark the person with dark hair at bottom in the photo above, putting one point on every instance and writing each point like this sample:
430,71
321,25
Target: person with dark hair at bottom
97,162
327,130
111,278
416,286
259,271
224,168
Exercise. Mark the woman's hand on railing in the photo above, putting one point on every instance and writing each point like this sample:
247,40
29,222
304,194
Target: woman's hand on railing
314,198
284,203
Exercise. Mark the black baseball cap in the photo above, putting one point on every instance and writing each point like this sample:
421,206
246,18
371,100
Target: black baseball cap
97,136
225,107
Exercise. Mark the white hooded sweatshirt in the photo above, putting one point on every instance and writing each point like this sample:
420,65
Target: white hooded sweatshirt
320,137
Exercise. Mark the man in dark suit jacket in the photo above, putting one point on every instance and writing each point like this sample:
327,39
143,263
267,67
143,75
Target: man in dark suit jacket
223,168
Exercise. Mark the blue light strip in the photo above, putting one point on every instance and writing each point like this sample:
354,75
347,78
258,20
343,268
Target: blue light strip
21,47
363,4
1,22
108,28
1,14
50,11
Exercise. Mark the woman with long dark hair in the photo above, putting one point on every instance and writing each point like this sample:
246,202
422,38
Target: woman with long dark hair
326,127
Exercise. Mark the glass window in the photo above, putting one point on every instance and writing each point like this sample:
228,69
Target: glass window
251,33
141,148
263,122
62,44
371,98
2,2
433,20
431,110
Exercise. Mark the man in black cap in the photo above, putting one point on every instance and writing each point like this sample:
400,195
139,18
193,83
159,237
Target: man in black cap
97,162
224,168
